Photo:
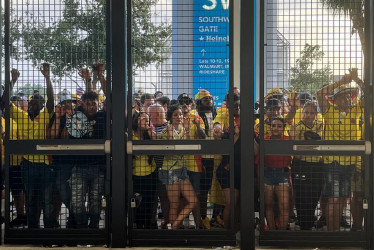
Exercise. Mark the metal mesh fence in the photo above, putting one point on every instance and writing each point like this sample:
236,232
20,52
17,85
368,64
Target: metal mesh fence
181,77
57,92
313,91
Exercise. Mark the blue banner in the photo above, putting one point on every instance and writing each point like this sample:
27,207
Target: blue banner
211,48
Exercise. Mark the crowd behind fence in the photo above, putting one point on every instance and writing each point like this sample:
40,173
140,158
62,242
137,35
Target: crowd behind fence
310,191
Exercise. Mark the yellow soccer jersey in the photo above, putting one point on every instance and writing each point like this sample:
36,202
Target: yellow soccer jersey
140,165
223,117
298,116
341,126
300,129
173,162
15,160
32,130
191,129
193,162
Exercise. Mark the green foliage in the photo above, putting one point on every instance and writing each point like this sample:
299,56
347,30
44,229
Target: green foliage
355,10
305,75
78,37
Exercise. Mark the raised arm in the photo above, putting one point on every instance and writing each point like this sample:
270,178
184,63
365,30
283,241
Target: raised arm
354,75
291,114
98,70
86,75
15,75
328,90
45,69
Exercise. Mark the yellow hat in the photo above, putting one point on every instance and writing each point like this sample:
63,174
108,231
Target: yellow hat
201,94
275,93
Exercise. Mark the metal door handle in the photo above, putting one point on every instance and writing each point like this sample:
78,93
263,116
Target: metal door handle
81,147
131,147
355,148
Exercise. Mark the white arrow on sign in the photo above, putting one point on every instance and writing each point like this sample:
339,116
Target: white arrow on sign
203,51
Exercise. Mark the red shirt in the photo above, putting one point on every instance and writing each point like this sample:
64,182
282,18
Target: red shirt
277,161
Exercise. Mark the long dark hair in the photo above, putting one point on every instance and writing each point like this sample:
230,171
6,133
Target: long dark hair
135,125
145,135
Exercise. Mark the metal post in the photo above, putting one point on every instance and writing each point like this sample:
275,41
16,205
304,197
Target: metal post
247,106
119,228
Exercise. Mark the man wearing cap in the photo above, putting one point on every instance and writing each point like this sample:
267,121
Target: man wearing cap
342,113
273,109
206,110
37,174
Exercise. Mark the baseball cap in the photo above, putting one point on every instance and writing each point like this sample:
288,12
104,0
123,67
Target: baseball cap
352,86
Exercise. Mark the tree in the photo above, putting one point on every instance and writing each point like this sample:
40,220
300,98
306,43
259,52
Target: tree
354,9
77,38
305,76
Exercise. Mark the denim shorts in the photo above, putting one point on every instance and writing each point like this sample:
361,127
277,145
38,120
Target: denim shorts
169,177
195,179
338,180
275,176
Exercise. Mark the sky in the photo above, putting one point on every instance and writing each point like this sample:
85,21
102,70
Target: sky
302,22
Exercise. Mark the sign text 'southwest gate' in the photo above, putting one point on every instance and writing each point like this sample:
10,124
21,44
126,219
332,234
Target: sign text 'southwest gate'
211,47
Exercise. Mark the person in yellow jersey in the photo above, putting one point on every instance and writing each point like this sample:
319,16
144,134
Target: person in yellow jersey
342,113
303,97
195,127
173,172
38,175
273,108
144,174
307,171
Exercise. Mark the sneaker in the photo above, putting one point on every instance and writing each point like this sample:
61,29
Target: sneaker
292,219
217,222
321,222
206,223
20,220
344,223
277,223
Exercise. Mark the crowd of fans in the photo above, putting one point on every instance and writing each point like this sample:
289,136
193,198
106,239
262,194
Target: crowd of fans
185,184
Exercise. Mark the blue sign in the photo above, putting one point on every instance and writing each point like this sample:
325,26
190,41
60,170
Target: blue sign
211,48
